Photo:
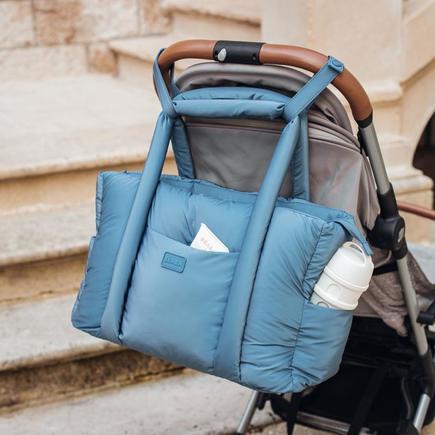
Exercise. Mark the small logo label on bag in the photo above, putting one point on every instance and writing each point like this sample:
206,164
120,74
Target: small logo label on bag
173,262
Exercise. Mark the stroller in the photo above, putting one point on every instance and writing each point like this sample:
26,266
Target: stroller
386,381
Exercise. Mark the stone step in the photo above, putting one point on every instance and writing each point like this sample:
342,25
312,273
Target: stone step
214,23
236,10
228,19
43,358
41,353
56,134
189,20
135,57
188,404
41,62
44,250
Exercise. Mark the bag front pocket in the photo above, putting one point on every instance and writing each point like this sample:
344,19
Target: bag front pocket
176,302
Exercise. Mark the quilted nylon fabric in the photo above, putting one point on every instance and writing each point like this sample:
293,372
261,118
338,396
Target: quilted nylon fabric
178,316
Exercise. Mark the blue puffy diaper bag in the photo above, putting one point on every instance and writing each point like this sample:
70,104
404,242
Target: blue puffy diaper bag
244,315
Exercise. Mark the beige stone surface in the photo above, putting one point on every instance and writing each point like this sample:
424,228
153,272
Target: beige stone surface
15,23
101,59
75,185
43,358
418,230
64,21
238,10
57,134
187,25
418,103
136,55
73,123
35,333
34,63
134,70
79,375
56,21
144,48
45,234
44,250
418,27
395,150
188,404
152,18
29,281
344,29
358,36
109,19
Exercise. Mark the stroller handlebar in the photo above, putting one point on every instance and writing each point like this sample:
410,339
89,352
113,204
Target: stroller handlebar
288,55
416,210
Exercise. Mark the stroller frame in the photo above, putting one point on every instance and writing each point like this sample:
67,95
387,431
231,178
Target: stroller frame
389,230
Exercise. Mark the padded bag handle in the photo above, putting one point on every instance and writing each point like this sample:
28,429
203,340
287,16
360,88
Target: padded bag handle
239,102
228,352
265,104
126,256
300,170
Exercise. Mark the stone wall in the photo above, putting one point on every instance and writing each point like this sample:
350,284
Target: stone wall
389,46
53,37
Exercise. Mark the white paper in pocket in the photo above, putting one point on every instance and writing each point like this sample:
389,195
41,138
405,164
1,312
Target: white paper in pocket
206,240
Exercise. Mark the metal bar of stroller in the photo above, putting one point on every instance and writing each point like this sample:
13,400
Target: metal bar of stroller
248,414
392,227
389,209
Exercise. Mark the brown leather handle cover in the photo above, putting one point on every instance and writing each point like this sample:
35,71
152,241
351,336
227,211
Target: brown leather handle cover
289,55
416,210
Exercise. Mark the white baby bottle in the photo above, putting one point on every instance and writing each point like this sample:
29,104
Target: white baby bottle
344,279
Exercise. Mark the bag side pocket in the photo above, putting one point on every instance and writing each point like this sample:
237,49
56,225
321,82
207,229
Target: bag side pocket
116,192
321,341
